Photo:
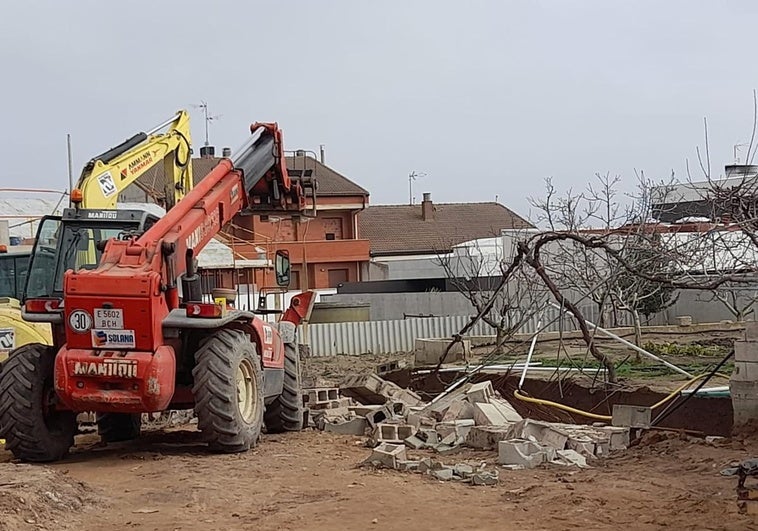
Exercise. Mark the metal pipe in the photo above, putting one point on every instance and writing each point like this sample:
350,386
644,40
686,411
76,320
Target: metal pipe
632,346
529,354
164,124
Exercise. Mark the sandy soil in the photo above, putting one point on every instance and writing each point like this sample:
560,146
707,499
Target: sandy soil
311,480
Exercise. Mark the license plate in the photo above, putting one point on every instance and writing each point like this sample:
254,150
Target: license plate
113,338
109,319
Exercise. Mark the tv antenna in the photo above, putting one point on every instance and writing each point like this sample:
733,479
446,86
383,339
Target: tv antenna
412,177
208,119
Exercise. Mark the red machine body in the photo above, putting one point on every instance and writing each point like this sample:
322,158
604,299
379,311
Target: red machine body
126,359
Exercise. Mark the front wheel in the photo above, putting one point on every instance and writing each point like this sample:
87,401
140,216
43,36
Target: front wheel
285,413
32,426
228,390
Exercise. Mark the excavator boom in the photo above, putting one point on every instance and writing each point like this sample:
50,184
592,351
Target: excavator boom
109,173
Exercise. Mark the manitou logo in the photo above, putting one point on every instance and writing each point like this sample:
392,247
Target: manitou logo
107,367
202,231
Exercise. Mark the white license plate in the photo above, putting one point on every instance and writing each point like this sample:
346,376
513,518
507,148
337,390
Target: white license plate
109,319
113,338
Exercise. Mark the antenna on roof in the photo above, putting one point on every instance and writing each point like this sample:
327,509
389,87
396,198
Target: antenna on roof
412,177
208,119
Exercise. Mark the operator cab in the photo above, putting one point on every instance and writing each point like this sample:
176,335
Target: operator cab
14,265
76,240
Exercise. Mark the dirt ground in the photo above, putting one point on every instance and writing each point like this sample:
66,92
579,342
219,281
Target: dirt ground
310,480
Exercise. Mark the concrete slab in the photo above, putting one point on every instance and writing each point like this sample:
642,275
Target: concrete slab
521,452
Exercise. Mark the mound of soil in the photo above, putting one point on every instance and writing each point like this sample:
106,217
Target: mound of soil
38,497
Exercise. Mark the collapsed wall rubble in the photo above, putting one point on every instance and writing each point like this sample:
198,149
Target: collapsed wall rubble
396,420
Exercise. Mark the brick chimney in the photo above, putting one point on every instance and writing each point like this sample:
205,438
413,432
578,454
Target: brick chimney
427,207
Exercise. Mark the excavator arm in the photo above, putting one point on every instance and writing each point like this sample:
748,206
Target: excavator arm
109,173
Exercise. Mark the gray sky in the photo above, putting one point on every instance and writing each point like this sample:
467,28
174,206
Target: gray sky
487,97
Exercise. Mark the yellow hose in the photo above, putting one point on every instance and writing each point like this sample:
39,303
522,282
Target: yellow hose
587,414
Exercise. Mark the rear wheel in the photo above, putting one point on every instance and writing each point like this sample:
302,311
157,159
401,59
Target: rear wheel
33,428
115,427
285,413
228,390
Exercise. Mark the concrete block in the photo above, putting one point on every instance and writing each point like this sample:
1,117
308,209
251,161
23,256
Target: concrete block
362,410
354,426
392,433
390,411
459,427
630,415
459,409
543,432
429,351
425,465
480,393
332,412
419,420
408,466
365,388
618,438
320,395
602,448
388,455
570,457
443,474
463,470
746,350
408,397
485,478
583,446
745,371
521,452
506,409
488,415
744,401
390,366
487,437
415,443
429,436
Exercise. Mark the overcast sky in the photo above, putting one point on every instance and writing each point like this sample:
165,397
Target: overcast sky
488,98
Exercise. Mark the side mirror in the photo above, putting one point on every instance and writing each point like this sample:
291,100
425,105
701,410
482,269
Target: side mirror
282,268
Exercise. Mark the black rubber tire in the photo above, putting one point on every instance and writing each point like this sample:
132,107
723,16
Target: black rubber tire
26,388
285,413
116,427
216,395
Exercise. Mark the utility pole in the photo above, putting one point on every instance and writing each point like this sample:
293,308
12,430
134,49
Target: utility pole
70,168
412,177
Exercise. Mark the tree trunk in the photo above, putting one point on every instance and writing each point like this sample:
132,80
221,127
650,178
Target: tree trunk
637,333
499,340
571,307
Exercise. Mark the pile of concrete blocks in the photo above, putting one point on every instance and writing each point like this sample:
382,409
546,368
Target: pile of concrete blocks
529,443
394,456
364,404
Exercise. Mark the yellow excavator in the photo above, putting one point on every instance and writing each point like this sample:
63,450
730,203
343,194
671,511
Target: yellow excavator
101,182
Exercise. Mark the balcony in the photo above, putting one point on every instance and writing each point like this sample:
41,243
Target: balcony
321,251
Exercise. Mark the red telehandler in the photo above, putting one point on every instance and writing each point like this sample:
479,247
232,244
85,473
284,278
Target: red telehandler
136,334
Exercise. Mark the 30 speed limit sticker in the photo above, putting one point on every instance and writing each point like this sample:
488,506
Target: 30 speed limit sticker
80,321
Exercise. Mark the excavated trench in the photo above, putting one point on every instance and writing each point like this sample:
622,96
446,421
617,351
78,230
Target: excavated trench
709,416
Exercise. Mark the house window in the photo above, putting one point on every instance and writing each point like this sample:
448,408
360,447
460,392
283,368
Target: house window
337,277
330,236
